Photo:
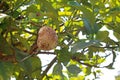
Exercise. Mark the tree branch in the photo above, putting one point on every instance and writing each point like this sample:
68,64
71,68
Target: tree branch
45,53
30,32
110,47
87,64
19,5
35,53
48,67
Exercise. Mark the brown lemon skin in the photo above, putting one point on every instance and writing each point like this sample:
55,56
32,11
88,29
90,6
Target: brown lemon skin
47,38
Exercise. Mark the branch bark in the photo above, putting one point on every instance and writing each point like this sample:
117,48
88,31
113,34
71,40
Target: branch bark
48,67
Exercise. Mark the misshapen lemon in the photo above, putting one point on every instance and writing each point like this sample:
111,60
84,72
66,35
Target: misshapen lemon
47,38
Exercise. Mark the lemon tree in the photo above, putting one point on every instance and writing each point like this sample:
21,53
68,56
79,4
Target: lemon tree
83,28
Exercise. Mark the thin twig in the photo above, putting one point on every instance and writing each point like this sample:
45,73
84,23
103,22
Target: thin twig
90,65
30,32
26,57
111,47
35,54
45,53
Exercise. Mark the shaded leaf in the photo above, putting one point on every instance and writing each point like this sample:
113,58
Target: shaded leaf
23,41
38,1
26,65
57,70
32,8
3,72
63,55
87,26
6,70
81,45
117,35
97,27
5,48
73,3
36,67
30,66
90,55
74,69
50,10
115,9
109,41
15,14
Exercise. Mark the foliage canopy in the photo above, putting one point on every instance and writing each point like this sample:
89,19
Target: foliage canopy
83,45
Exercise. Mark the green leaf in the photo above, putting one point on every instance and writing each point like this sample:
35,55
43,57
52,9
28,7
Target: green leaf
116,28
63,55
80,77
3,74
82,44
32,15
51,12
5,23
86,3
97,27
15,14
38,1
57,70
115,9
93,2
87,13
5,47
36,67
74,69
32,8
20,55
0,30
23,41
87,26
100,60
18,3
30,66
90,55
26,65
117,35
102,35
6,70
88,70
73,3
109,41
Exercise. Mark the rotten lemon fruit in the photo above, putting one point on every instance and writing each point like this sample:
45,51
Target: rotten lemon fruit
47,38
